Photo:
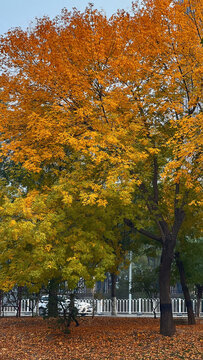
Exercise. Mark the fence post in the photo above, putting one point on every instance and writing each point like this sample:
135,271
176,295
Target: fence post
140,305
179,306
98,306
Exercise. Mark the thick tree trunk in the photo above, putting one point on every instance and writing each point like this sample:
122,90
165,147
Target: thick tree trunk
199,297
113,295
190,313
53,300
167,326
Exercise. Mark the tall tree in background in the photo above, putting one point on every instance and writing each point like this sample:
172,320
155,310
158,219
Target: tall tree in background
115,106
188,256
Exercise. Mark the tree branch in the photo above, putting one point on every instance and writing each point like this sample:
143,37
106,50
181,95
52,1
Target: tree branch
155,180
142,231
179,213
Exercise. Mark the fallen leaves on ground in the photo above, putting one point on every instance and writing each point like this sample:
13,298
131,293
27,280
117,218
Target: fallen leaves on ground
99,338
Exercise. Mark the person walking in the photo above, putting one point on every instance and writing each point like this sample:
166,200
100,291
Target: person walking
72,312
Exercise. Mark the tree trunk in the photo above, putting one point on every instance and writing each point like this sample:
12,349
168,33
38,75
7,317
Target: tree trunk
167,326
188,302
19,298
1,302
93,301
153,305
53,300
113,295
199,297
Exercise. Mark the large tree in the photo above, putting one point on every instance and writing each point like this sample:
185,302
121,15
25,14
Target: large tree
115,105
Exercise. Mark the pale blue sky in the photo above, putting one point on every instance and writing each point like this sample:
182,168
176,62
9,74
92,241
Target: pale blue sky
15,13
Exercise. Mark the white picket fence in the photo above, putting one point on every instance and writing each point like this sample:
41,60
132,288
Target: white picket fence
144,307
139,307
28,308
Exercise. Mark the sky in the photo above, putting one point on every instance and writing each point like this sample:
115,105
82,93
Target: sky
14,13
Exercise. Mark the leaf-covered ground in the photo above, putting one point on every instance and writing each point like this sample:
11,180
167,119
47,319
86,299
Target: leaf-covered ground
97,339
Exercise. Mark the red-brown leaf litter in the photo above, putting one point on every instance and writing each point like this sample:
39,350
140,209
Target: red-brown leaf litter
99,338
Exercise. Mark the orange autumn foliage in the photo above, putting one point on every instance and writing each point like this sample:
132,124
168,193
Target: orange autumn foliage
81,80
118,104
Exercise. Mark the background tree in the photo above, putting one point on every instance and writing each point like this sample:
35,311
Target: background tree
188,257
191,262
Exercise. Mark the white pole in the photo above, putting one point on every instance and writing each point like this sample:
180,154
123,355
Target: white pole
130,282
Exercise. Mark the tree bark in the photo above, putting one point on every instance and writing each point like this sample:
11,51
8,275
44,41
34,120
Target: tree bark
53,300
167,326
190,312
199,297
113,295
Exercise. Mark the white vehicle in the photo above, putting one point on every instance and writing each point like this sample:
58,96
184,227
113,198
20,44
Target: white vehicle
83,307
42,305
